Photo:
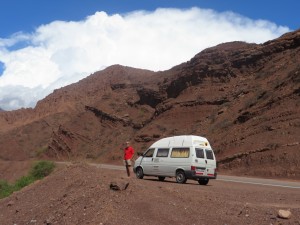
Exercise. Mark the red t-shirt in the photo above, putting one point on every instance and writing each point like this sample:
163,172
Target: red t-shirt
128,152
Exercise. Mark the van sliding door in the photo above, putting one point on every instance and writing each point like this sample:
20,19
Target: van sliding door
161,165
147,162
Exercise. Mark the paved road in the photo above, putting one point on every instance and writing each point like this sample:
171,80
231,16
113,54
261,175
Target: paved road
226,178
259,181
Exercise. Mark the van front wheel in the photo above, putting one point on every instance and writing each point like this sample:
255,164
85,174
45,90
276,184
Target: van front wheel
139,173
180,177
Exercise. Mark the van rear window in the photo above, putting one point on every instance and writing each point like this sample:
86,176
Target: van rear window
200,153
162,152
180,153
209,154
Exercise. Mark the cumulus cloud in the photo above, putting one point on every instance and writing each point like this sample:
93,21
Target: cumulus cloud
61,52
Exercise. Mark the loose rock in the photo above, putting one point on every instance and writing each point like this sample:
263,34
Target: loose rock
118,186
284,214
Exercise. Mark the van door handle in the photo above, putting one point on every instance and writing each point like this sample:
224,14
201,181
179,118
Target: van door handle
205,161
152,159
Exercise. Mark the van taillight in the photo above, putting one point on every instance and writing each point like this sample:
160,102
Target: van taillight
193,167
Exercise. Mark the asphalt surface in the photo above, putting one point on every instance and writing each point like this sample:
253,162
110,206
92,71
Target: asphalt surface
226,178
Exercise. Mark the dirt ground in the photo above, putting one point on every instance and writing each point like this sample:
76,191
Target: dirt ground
82,194
13,170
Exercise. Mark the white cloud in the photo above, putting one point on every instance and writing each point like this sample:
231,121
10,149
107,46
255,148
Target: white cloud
61,53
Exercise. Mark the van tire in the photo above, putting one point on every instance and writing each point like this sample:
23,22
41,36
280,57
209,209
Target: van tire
180,177
139,173
161,178
203,181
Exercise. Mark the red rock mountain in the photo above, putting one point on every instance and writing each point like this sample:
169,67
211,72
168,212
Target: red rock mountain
243,97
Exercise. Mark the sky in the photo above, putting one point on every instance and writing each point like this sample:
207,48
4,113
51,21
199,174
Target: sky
46,45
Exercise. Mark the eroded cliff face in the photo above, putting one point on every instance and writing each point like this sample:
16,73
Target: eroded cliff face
243,97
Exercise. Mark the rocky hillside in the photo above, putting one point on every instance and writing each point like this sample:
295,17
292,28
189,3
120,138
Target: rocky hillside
243,97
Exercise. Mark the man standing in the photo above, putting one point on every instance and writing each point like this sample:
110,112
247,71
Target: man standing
128,153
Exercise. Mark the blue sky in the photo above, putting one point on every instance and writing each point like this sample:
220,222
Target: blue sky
18,15
47,44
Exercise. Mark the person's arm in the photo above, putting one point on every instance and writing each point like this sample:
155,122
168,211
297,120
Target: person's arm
132,152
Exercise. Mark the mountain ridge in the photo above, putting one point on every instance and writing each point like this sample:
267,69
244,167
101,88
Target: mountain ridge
243,97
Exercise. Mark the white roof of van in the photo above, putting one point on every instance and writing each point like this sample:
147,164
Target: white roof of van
181,141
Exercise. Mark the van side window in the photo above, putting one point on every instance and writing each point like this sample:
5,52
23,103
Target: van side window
200,153
149,153
162,152
180,153
209,154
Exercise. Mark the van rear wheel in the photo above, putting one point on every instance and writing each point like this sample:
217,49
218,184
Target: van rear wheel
139,173
203,181
180,177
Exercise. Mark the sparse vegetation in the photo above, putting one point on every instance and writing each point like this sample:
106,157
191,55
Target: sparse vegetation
42,169
5,189
39,170
23,182
40,151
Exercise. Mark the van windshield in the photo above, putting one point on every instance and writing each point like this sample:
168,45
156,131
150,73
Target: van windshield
149,153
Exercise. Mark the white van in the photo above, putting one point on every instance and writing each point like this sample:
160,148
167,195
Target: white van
184,157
